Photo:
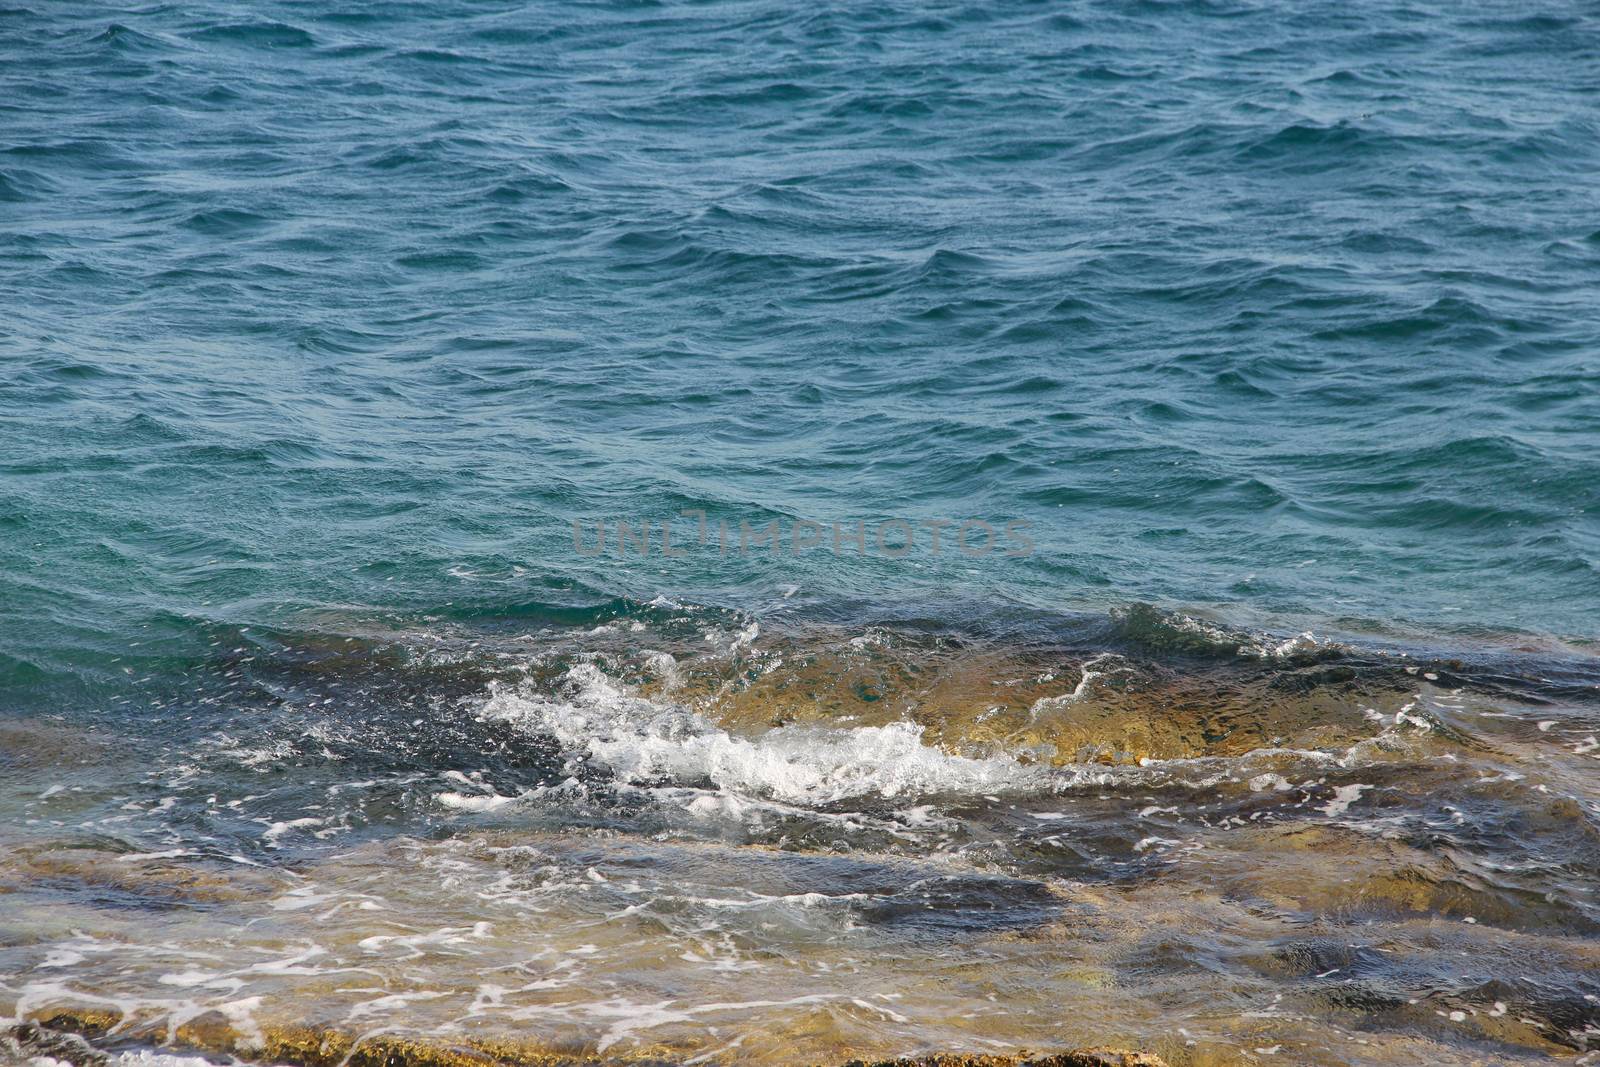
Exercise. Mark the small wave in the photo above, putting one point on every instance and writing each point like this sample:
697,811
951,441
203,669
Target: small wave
256,35
19,185
1174,632
226,222
124,39
646,743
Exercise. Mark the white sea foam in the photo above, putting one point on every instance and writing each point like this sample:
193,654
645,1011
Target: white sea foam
1087,676
665,668
1343,797
1301,644
134,1058
148,1058
645,742
464,802
1247,645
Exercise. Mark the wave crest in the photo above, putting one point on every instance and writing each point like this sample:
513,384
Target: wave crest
647,743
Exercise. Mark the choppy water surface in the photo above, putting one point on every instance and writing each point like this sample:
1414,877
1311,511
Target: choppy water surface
324,323
1288,310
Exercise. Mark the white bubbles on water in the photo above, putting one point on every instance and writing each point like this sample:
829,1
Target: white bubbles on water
648,743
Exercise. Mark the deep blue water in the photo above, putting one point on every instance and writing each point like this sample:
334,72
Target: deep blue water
1282,312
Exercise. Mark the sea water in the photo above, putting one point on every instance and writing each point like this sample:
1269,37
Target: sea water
735,532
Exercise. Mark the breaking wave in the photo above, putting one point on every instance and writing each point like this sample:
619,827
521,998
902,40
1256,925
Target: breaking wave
646,743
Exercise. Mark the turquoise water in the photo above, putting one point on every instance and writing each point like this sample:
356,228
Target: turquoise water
1288,315
1129,478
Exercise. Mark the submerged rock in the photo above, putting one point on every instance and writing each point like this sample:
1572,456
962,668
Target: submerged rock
62,1035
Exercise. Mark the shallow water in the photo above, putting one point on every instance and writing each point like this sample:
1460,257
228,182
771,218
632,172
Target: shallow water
337,338
668,832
